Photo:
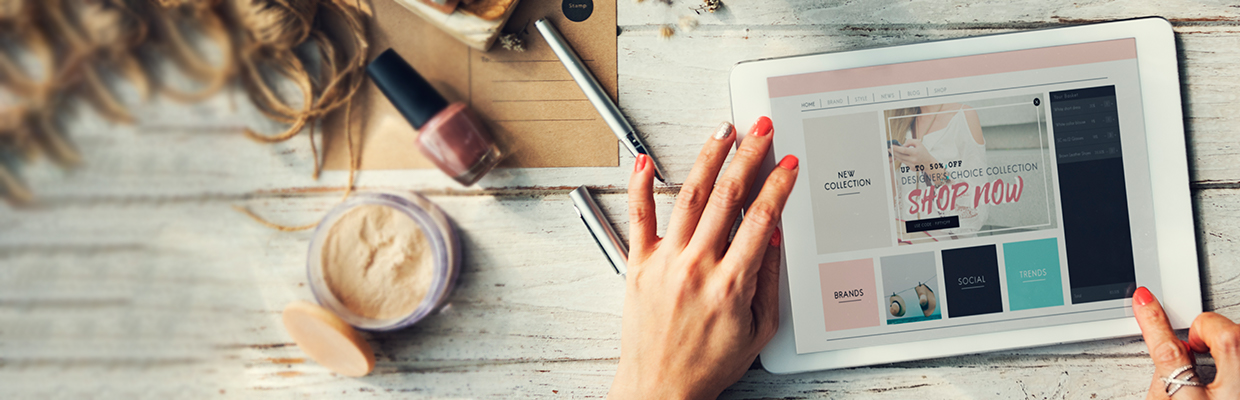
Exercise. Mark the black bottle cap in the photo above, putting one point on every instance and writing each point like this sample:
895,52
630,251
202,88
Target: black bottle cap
416,99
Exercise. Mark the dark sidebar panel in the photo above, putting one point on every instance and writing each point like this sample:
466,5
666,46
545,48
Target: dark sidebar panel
1097,236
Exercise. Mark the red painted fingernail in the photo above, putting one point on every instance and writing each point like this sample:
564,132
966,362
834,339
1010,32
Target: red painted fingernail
1142,296
776,238
640,163
762,127
1186,345
789,162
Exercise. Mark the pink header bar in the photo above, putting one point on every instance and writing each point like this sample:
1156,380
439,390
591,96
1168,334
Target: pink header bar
955,67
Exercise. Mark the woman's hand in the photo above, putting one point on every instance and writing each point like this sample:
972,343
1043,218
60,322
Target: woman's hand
1210,333
912,152
698,309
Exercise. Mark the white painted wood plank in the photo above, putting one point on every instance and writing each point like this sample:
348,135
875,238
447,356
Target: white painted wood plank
138,287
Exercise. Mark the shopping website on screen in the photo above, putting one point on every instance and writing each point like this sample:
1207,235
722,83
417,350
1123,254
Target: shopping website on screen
962,195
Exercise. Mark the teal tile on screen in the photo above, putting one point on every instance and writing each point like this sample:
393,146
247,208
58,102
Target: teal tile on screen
1033,274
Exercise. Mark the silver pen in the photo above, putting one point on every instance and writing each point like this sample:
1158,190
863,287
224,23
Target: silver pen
608,109
607,239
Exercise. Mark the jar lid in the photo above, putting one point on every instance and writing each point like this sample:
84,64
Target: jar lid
328,339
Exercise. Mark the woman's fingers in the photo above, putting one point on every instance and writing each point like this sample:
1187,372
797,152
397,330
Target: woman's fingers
1167,350
766,294
753,258
904,154
760,219
642,224
1220,337
696,190
732,189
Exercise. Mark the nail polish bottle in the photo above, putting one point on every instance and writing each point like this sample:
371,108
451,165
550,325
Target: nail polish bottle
449,134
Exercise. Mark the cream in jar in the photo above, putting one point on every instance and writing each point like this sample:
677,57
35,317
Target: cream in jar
383,261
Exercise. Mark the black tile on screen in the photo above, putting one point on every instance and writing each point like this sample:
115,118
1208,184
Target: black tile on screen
971,281
1097,235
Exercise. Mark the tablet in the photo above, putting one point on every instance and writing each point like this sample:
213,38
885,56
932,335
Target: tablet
976,194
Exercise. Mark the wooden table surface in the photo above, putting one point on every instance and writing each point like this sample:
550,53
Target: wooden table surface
134,278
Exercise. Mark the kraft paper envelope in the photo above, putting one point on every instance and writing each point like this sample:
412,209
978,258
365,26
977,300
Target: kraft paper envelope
536,113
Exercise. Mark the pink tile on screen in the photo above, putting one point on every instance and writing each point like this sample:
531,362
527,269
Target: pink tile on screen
849,299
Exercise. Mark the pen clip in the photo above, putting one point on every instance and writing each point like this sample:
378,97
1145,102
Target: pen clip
599,242
600,229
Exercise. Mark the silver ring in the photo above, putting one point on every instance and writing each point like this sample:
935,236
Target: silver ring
1179,378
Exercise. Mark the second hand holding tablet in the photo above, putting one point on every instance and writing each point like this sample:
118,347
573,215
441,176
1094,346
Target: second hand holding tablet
607,108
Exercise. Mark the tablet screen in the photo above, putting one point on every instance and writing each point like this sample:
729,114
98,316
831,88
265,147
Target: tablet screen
965,195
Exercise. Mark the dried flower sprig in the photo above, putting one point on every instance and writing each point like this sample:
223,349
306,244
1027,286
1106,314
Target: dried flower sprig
687,23
666,32
708,6
512,42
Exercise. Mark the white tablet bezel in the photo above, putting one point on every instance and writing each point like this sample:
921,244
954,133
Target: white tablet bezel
1168,164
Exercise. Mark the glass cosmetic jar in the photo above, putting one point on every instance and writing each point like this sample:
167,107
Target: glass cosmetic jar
441,242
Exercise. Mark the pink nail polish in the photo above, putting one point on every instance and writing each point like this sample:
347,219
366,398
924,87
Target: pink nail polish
776,238
640,163
449,134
